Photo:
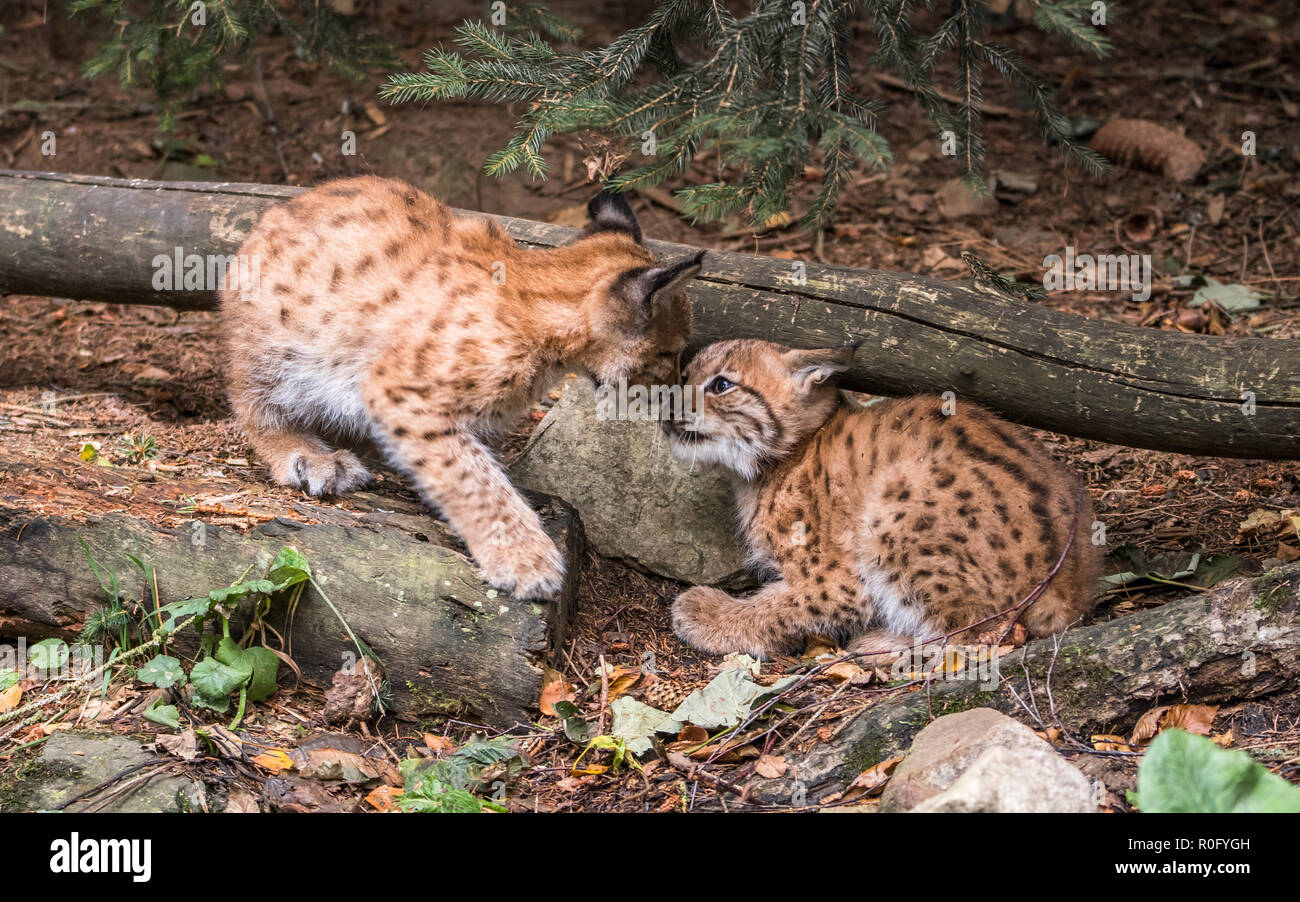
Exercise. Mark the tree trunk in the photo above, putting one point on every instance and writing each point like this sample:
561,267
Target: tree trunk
97,238
1239,640
448,643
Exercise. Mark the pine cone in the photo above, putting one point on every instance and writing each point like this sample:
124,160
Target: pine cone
1150,146
666,694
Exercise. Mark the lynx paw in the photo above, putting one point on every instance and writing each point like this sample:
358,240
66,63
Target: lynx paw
698,621
531,569
324,474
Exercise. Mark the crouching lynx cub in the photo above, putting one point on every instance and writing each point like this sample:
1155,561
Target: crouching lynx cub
889,524
381,316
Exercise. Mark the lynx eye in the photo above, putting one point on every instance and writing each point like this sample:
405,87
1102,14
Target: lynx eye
719,385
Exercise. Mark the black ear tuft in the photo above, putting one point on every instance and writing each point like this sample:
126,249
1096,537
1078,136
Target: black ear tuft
611,212
646,286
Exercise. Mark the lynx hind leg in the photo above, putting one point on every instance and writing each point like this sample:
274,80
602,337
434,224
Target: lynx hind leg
304,461
763,625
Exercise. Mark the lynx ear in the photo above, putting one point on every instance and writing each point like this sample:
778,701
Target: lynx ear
611,212
645,287
810,368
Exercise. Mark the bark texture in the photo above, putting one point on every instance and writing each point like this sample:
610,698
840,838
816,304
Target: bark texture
1238,641
95,238
448,642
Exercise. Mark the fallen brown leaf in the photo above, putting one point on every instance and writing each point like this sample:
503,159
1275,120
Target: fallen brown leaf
1104,742
693,734
1192,718
557,691
868,783
383,798
275,761
771,766
440,744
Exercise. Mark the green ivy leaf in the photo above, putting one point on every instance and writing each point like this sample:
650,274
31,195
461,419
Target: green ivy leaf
8,679
162,671
1183,772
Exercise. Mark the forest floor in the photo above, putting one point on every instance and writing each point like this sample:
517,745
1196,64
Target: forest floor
1213,73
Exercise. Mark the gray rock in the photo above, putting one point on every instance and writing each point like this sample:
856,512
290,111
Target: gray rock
1023,780
637,502
982,760
75,763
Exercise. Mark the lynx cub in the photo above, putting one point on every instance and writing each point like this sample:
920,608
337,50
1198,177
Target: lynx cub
381,316
888,524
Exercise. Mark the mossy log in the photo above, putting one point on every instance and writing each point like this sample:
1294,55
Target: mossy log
94,238
448,643
1240,640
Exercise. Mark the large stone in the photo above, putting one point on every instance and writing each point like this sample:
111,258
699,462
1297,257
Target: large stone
73,764
1025,780
638,503
982,760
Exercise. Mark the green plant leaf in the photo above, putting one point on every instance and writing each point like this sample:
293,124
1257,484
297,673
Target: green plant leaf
266,667
178,610
164,715
1187,567
48,654
288,569
1182,772
635,723
575,725
214,682
1232,298
725,701
8,679
220,705
614,744
229,653
235,592
449,785
162,671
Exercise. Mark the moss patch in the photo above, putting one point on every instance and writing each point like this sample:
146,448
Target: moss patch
22,777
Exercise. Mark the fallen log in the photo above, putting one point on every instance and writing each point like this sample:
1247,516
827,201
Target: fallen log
94,238
1237,641
448,643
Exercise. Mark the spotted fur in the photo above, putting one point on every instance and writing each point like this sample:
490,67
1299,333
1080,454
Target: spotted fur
381,316
892,523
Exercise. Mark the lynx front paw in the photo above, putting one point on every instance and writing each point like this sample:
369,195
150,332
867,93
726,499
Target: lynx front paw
323,474
528,569
699,621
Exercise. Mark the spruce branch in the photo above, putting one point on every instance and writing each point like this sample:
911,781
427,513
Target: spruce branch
770,91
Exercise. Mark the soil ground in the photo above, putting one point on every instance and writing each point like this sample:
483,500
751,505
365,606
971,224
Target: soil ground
1212,73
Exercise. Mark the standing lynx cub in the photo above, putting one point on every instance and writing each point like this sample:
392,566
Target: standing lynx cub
381,316
889,524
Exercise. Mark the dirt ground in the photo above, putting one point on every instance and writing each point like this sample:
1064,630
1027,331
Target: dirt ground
1212,73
